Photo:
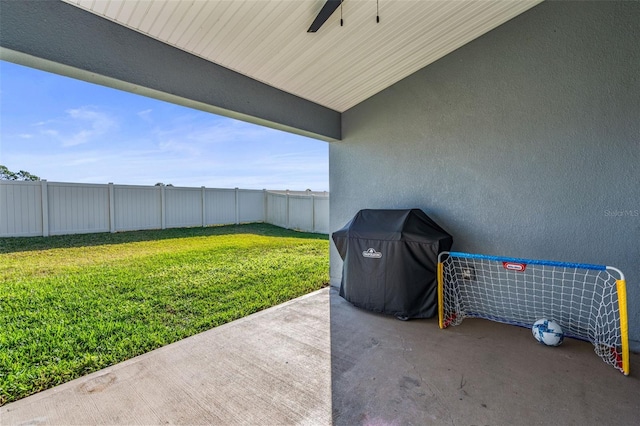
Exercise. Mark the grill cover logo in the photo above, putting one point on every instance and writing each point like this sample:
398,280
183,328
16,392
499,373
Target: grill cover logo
372,254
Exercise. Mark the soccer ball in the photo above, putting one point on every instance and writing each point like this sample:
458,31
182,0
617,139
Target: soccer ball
547,332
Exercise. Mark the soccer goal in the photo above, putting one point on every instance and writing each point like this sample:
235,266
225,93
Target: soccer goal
588,301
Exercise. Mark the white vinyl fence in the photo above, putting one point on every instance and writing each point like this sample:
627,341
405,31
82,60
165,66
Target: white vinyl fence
54,208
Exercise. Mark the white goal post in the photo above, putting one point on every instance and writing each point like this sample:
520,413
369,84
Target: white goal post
588,301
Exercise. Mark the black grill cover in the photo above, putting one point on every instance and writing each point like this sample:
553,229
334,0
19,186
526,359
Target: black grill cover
390,261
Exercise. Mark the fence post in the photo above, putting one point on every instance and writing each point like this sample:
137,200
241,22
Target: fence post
265,206
204,208
112,209
237,207
287,207
44,194
162,208
313,213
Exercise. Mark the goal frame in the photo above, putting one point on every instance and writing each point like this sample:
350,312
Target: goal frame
620,350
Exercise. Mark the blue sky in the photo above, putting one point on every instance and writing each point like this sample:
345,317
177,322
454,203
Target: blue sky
66,130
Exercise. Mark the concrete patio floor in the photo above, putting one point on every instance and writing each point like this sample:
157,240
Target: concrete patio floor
283,366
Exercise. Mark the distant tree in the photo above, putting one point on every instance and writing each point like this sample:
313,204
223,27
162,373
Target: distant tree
162,184
6,174
24,175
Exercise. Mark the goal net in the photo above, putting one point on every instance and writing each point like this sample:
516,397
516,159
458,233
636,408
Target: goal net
588,301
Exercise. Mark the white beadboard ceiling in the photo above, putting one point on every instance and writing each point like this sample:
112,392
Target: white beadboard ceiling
337,67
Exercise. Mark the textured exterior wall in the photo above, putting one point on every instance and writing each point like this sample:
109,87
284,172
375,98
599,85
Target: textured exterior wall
525,142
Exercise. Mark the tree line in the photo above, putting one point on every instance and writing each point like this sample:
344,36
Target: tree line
6,174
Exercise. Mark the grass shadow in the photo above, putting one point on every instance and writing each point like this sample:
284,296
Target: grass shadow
19,244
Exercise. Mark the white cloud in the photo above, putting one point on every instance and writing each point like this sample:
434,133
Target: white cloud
177,147
79,126
99,123
145,115
198,130
229,130
43,123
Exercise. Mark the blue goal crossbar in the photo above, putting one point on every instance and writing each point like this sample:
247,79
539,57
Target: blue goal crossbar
530,261
526,261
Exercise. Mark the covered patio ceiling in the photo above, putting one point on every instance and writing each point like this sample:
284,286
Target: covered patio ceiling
336,67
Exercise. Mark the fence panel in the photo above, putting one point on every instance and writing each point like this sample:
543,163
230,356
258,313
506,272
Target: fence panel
183,207
300,212
77,208
137,207
220,206
277,209
20,209
250,206
321,214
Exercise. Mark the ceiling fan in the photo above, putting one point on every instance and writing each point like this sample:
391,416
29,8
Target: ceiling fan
327,10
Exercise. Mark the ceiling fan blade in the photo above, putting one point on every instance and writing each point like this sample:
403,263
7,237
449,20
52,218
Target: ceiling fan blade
327,10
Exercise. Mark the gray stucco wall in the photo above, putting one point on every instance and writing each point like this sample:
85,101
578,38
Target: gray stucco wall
525,142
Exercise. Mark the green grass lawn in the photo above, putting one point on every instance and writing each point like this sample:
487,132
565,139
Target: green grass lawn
71,305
